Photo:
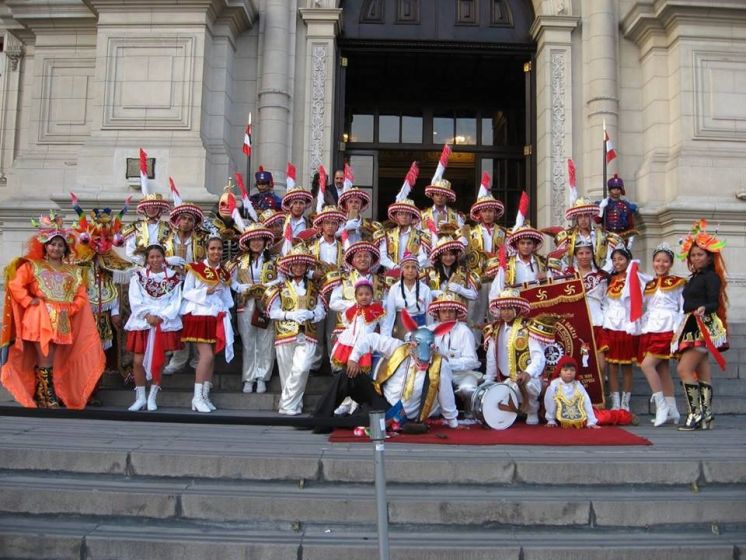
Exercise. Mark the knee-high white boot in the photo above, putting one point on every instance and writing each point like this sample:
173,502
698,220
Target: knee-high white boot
198,402
140,400
673,411
661,409
206,395
152,396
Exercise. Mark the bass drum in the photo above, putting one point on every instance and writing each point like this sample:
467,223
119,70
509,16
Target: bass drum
495,405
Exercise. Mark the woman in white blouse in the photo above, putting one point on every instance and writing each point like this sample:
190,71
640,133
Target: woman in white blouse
408,293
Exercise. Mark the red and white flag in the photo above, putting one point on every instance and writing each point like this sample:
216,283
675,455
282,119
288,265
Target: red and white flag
633,287
349,178
484,185
175,194
287,244
571,181
442,164
409,180
520,218
322,189
245,200
345,237
290,176
144,187
499,282
608,146
246,149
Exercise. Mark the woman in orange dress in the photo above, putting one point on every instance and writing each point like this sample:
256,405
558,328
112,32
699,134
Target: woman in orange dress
49,337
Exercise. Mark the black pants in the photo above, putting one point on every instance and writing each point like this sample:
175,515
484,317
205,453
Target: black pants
359,388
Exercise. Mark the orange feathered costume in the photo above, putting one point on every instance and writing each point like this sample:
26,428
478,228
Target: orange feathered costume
62,317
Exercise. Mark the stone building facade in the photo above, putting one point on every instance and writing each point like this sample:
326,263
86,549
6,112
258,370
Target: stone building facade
85,83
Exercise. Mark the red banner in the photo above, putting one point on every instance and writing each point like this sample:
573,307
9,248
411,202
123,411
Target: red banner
573,331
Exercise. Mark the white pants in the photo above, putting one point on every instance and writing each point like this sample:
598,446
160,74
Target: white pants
533,388
257,345
478,310
294,363
179,358
324,345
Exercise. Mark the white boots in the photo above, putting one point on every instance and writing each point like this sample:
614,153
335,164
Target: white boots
198,402
673,412
615,401
625,400
152,396
661,409
261,386
140,400
206,395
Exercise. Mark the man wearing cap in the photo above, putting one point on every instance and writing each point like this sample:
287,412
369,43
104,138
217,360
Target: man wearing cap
148,230
404,237
515,351
354,202
441,193
266,197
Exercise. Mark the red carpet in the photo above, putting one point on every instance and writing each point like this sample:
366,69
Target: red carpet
518,434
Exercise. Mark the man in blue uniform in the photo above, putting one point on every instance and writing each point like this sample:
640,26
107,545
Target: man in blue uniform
266,198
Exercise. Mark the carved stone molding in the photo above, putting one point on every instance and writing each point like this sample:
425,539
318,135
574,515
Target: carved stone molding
319,57
65,96
558,84
718,100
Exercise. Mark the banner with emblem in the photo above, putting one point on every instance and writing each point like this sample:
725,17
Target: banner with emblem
565,299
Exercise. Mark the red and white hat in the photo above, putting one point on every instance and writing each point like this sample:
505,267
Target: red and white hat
441,186
271,217
445,301
409,258
296,193
483,202
510,299
525,232
153,200
299,254
445,244
186,208
255,231
329,213
581,207
363,246
354,192
406,205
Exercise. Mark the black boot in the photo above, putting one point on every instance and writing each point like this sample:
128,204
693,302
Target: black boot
694,418
40,396
705,399
50,398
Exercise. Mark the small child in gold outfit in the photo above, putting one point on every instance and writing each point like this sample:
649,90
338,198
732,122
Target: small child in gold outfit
566,400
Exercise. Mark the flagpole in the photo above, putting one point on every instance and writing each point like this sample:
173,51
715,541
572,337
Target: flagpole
603,152
248,170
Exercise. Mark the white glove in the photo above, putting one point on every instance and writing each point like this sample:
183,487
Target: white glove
176,261
352,225
455,288
293,316
602,207
241,288
305,315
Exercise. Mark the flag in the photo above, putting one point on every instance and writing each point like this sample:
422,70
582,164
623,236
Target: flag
345,237
608,146
322,189
520,218
442,163
290,176
409,180
287,244
76,204
571,181
349,178
484,185
433,229
144,173
247,139
245,200
174,192
500,276
633,287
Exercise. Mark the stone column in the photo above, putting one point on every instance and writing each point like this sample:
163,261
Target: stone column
322,28
602,103
11,69
554,135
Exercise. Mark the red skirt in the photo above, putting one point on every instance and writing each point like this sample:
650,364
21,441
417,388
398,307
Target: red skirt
341,355
199,328
138,340
600,336
622,347
657,345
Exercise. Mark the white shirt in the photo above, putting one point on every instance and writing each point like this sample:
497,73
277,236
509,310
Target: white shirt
487,237
459,348
328,251
298,225
395,303
664,310
595,294
567,389
386,261
526,271
276,312
188,255
197,301
142,303
500,362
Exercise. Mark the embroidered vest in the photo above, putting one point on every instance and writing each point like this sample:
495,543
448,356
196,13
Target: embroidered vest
291,301
198,241
570,411
59,285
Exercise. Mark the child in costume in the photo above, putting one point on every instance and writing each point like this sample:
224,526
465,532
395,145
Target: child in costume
566,401
410,294
403,238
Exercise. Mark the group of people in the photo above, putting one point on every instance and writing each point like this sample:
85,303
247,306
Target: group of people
402,311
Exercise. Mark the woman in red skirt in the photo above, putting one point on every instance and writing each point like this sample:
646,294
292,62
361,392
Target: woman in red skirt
154,325
205,312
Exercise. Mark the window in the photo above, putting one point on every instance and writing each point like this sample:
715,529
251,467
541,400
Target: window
362,128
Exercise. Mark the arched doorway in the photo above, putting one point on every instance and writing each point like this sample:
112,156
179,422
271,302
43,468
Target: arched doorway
416,74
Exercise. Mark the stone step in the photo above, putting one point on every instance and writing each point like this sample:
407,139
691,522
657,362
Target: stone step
411,504
53,537
182,399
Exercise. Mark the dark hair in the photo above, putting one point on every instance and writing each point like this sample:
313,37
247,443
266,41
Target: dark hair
622,251
593,254
366,286
416,292
156,247
67,245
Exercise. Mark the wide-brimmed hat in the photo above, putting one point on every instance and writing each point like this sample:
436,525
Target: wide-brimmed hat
525,232
510,299
153,200
354,192
406,205
447,243
299,254
362,246
441,186
448,300
296,193
483,202
186,208
329,213
582,207
255,231
270,217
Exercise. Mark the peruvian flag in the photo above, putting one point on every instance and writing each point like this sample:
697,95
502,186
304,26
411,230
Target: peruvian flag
520,218
287,244
290,176
144,173
484,185
245,200
349,178
633,287
499,282
409,180
175,194
246,149
345,237
608,146
322,189
571,181
442,164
